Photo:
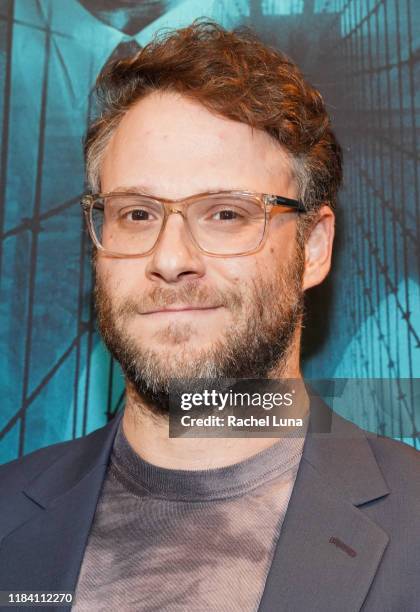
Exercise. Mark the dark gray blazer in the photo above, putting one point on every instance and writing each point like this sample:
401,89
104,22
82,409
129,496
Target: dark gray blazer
350,540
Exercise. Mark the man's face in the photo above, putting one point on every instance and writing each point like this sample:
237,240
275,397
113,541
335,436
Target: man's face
241,312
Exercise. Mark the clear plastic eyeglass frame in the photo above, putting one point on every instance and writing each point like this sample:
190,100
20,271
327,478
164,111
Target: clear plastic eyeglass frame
271,204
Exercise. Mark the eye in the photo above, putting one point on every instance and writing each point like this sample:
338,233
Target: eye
226,215
138,215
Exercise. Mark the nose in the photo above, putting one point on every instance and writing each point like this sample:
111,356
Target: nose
175,256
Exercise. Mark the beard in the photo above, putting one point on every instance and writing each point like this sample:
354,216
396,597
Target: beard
265,315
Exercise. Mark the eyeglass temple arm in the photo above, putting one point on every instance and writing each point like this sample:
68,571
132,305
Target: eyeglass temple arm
281,202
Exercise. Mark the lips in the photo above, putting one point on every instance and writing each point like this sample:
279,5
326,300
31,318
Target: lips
189,308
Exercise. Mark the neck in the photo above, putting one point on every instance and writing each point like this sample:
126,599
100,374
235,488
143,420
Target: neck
148,433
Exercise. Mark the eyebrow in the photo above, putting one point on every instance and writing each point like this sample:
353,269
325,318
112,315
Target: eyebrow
148,191
140,189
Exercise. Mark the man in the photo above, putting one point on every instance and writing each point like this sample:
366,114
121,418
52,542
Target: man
214,173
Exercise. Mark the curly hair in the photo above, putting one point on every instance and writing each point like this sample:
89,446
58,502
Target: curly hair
232,74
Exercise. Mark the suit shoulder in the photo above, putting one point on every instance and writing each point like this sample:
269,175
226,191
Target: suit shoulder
388,452
395,450
399,463
16,473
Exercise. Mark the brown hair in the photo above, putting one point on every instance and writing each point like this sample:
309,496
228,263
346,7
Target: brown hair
235,75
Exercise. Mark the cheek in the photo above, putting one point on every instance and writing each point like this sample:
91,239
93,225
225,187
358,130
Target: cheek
121,276
281,244
239,271
235,271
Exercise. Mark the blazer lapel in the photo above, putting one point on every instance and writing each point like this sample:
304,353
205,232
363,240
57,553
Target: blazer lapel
329,550
44,549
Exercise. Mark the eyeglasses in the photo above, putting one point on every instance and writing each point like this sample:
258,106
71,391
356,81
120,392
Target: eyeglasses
220,223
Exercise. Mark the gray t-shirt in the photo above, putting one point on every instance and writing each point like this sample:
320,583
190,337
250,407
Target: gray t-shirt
169,540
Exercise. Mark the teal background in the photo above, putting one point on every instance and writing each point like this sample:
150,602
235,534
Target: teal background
57,380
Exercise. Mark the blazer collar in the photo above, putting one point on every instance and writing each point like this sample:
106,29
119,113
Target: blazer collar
340,452
89,453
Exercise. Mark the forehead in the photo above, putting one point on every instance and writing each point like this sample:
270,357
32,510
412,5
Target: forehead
177,147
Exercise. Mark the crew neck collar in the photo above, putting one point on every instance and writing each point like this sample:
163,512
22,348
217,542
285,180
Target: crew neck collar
142,477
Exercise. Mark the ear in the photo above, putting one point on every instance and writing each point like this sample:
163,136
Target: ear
318,248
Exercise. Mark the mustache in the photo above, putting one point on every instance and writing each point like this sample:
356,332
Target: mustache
191,293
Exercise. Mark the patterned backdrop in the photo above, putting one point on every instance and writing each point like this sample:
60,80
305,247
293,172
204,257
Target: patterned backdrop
57,379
